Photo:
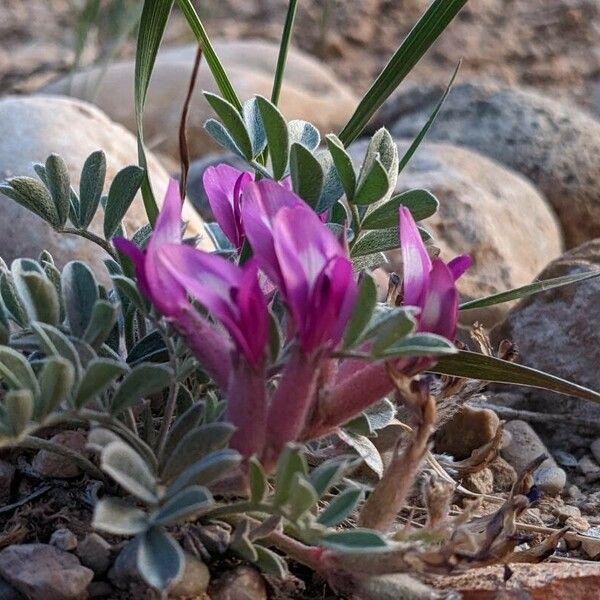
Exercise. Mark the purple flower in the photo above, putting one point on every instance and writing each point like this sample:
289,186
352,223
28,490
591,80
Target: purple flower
429,285
223,185
304,259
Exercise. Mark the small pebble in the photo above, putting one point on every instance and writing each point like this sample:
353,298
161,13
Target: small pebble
243,583
564,459
50,464
95,552
7,473
481,482
565,511
64,539
595,448
589,468
194,581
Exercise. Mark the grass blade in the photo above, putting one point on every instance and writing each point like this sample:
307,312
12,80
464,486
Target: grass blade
212,60
283,50
152,28
472,365
528,290
419,40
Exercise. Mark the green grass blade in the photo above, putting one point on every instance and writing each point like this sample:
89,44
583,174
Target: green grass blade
419,40
472,365
286,38
212,60
432,117
528,290
152,28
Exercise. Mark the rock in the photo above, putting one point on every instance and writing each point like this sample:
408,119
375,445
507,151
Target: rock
553,143
124,570
95,553
31,128
589,468
242,583
467,430
101,589
399,586
64,539
481,482
558,331
547,581
526,446
591,545
50,464
7,474
482,208
44,572
194,581
595,448
8,592
566,511
564,459
504,474
310,91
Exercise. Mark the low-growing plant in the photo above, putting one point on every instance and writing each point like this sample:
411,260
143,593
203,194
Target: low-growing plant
240,389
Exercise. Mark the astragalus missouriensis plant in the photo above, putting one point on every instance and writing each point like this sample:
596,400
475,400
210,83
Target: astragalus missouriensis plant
230,396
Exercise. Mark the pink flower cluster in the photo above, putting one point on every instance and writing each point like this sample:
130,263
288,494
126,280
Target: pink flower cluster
312,393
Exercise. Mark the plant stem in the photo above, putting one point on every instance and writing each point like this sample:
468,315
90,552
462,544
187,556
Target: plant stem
283,50
35,443
92,237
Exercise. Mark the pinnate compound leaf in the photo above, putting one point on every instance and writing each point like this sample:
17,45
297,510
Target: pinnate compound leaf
36,292
59,186
221,135
189,502
16,372
341,507
56,381
379,240
373,186
18,405
355,540
254,126
307,174
302,497
130,471
98,376
143,380
119,518
328,474
421,203
343,164
233,123
11,300
269,562
259,485
277,136
363,310
34,196
417,344
160,559
121,193
290,463
91,185
80,292
304,133
103,318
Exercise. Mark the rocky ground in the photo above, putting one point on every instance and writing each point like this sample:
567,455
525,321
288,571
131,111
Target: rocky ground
515,162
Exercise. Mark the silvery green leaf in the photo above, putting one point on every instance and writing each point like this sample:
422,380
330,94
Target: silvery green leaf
379,240
355,540
33,195
375,417
149,349
421,203
290,462
59,185
389,324
187,421
18,405
383,147
259,485
307,174
341,507
332,189
363,309
4,325
189,502
270,563
102,320
16,372
121,193
220,134
37,293
207,470
194,445
328,474
143,380
99,437
365,449
99,375
277,136
130,471
119,518
160,559
418,344
302,498
53,275
304,133
241,542
233,122
343,165
80,292
54,343
373,186
11,300
254,126
74,210
91,185
56,381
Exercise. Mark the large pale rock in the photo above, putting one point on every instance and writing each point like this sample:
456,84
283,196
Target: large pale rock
44,572
486,211
31,128
310,91
558,331
554,144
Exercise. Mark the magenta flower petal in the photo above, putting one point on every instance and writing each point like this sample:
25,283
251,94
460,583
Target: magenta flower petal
167,229
439,313
137,257
223,185
415,260
459,265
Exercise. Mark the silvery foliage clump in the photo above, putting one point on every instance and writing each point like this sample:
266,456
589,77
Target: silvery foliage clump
76,351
